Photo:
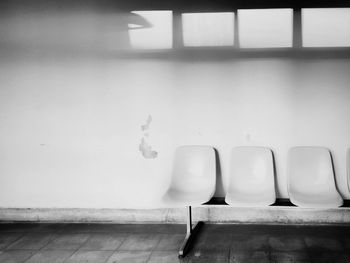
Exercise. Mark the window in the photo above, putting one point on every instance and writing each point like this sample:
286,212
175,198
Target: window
207,29
326,27
265,28
151,30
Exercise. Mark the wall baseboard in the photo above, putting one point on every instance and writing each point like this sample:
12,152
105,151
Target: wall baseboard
209,213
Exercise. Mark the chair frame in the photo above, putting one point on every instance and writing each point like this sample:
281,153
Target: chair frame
191,232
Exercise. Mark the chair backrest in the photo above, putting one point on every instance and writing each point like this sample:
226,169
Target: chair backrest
194,169
310,170
251,170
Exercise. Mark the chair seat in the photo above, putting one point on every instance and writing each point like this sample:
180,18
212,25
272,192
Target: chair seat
251,177
178,198
311,181
317,200
193,177
250,200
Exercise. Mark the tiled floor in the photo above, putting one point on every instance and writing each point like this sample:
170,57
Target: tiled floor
57,243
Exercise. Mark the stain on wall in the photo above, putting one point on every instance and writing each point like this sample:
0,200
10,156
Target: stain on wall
148,123
144,147
146,150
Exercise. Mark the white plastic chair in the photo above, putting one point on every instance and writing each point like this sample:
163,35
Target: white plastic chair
251,177
311,181
193,177
192,184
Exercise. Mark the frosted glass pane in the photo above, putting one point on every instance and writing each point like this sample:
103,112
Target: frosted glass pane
265,28
208,29
154,30
326,27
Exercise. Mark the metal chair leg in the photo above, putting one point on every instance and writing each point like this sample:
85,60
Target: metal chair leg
190,233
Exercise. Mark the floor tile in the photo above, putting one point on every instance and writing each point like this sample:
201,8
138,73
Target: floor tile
19,227
67,241
31,227
31,241
249,257
134,228
89,257
7,239
140,242
76,228
170,242
154,243
346,243
290,257
250,242
15,256
323,243
329,257
165,257
129,257
50,256
206,256
51,227
287,243
212,241
103,242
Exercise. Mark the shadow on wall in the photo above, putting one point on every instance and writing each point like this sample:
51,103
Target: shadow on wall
110,32
274,172
219,192
67,32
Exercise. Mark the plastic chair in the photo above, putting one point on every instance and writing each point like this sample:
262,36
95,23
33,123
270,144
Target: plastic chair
251,181
311,181
193,177
192,184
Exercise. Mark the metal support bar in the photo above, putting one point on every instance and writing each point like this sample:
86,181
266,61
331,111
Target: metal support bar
190,233
177,31
189,221
236,30
297,29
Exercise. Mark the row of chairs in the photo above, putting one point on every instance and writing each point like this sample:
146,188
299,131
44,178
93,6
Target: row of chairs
311,182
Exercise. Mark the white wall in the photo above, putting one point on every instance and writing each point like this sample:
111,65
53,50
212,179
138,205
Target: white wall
70,125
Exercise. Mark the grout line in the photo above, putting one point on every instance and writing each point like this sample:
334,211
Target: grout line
160,239
153,249
69,257
14,241
270,256
32,255
83,243
149,257
76,250
109,256
125,237
48,242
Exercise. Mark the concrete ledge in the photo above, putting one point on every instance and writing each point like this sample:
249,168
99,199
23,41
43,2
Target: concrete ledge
210,213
